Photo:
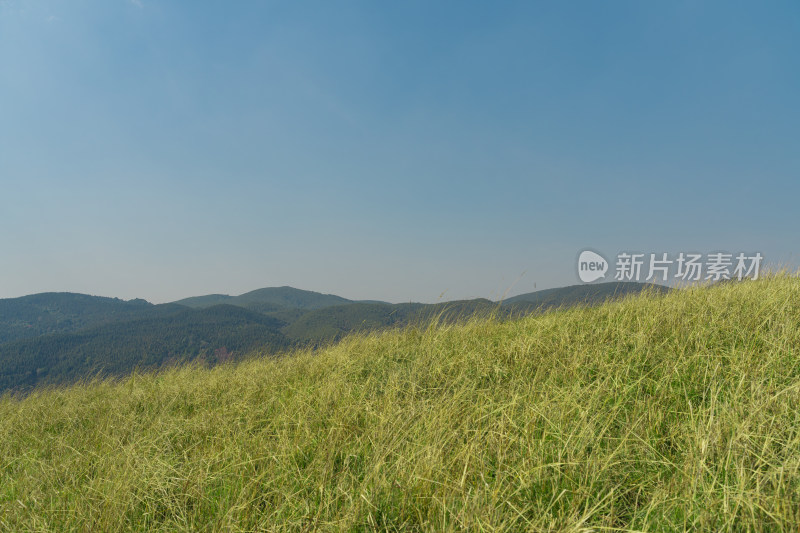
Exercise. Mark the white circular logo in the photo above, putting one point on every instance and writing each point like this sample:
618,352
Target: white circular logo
591,266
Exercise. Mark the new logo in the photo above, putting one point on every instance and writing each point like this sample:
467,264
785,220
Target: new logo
591,266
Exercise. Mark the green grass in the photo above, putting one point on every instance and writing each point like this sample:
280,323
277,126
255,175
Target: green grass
655,413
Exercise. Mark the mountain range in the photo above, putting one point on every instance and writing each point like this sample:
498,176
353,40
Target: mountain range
60,338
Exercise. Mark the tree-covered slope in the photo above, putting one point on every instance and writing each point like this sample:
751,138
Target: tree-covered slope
69,336
589,294
215,334
61,312
270,298
333,323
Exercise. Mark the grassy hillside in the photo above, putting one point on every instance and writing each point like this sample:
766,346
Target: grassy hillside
658,413
58,338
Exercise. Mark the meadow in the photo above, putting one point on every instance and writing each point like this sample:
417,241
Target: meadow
671,412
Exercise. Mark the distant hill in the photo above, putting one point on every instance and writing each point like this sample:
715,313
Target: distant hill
208,300
61,312
216,334
595,293
333,323
55,338
271,298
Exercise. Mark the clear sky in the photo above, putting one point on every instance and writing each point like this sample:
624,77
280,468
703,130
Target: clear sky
387,150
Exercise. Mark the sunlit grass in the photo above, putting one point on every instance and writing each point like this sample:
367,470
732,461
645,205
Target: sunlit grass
656,413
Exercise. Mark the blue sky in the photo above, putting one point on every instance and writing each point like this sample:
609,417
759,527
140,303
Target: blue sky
387,150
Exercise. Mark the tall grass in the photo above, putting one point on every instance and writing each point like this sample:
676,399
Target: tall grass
656,413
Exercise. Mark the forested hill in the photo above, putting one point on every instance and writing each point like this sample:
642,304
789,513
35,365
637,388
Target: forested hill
62,312
271,298
590,294
55,338
332,323
216,334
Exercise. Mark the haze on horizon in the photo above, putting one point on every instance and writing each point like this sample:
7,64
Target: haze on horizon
388,151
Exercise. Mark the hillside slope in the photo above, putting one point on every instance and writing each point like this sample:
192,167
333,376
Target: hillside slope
177,335
655,413
57,338
333,323
61,312
590,294
271,298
